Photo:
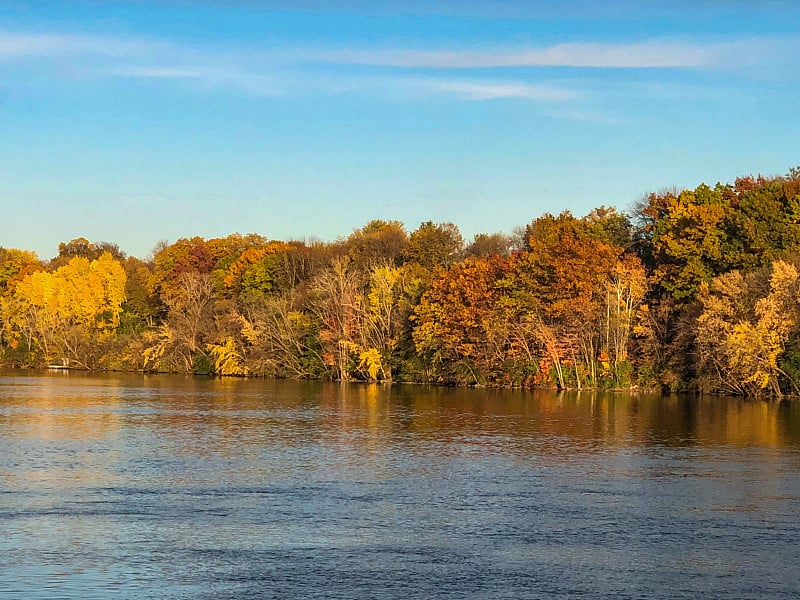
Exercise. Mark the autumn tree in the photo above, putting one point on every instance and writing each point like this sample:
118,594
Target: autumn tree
487,244
562,280
142,306
181,342
742,332
72,312
281,338
81,247
434,245
336,303
259,271
687,237
14,265
377,243
390,295
453,318
625,288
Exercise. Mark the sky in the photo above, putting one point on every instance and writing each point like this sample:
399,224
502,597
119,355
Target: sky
143,121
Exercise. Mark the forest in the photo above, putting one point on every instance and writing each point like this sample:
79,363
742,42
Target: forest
690,290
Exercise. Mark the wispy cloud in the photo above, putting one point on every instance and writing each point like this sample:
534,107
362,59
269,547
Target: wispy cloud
164,73
646,54
400,87
640,55
404,73
752,53
255,72
413,88
493,90
585,116
14,45
259,84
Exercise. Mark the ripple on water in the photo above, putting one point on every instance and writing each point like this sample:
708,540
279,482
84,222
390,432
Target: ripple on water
171,488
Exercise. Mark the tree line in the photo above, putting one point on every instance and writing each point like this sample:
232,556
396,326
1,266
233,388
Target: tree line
690,290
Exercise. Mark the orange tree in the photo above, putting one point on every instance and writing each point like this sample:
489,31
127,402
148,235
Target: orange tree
455,317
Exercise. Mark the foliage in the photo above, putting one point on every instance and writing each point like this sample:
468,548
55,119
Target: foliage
227,359
66,314
434,245
695,290
456,317
377,243
14,266
687,235
742,335
484,244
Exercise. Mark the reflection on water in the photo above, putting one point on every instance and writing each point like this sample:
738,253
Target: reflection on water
134,486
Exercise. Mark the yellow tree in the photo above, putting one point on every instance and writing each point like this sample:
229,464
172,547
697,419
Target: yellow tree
71,312
741,336
383,317
92,292
31,315
228,360
625,288
90,297
687,238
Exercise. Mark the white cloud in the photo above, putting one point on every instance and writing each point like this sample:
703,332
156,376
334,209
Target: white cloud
641,55
21,45
412,88
585,116
749,53
648,54
265,71
493,90
161,72
258,84
407,88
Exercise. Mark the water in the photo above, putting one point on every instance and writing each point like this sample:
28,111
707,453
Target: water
171,487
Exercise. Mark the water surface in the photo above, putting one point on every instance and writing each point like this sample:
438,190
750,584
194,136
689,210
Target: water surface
170,487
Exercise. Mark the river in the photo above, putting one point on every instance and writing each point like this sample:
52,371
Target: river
131,486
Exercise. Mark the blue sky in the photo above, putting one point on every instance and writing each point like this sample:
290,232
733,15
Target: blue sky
134,122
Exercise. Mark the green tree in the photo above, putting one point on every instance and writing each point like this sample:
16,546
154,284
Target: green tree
609,226
434,245
765,222
687,238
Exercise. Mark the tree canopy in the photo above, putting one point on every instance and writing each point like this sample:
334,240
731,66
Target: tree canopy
694,289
